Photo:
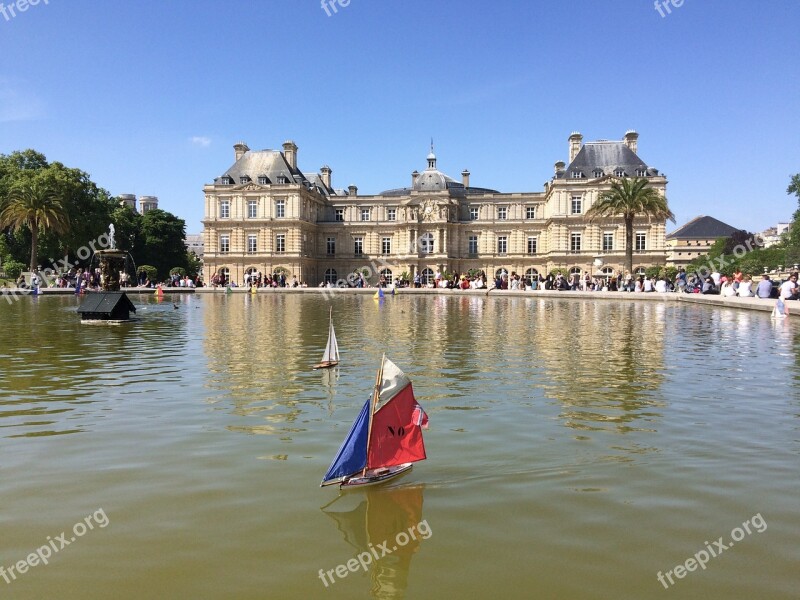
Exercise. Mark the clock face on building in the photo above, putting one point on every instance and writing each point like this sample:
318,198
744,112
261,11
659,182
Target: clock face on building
428,209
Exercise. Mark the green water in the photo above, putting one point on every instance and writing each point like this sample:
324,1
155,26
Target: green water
576,449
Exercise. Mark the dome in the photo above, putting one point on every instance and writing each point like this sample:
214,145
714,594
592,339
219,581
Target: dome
433,180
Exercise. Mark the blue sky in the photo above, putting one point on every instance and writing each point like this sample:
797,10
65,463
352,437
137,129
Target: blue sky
149,96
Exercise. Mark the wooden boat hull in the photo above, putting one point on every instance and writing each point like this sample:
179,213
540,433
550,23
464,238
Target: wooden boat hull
326,364
376,476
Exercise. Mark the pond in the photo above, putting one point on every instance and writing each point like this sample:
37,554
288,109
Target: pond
577,449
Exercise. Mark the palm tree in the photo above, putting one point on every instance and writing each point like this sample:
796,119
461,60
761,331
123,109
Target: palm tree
630,198
34,204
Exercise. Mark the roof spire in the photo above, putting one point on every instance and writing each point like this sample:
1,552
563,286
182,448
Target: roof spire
431,158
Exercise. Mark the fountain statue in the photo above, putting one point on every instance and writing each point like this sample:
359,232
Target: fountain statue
110,304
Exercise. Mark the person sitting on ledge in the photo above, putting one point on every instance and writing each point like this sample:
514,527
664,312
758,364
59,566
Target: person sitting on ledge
789,290
764,289
745,289
709,287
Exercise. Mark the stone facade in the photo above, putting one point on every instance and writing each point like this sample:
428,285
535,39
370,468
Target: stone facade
265,215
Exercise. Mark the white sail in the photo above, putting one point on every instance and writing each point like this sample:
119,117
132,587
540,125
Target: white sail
332,348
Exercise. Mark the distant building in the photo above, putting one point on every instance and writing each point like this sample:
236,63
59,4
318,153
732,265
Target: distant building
263,214
145,202
194,243
695,239
772,235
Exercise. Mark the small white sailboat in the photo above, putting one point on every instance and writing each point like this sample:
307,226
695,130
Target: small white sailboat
331,356
780,311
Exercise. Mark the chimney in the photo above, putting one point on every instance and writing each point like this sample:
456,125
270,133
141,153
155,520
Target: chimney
575,142
290,153
465,178
239,149
325,172
352,190
414,176
560,166
631,142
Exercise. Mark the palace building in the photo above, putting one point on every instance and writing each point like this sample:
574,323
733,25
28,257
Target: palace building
266,215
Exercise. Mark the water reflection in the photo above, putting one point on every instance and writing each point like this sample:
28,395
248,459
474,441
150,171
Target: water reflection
604,363
381,520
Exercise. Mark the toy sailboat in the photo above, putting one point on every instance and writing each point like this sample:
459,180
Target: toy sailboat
331,356
780,311
386,437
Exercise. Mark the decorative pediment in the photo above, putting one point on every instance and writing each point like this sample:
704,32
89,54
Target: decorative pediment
250,187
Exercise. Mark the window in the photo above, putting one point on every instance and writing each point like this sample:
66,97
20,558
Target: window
530,212
575,242
598,173
330,276
387,275
502,244
391,214
358,246
252,243
427,276
280,242
641,242
224,209
331,246
472,245
473,213
502,213
577,174
386,245
533,245
577,203
339,214
608,242
365,214
280,208
224,244
619,173
244,179
227,180
531,274
641,173
426,243
252,209
262,180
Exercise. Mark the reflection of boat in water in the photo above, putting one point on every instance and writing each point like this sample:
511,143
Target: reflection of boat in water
376,524
386,437
330,357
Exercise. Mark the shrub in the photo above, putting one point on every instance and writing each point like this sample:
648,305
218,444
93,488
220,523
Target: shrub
152,272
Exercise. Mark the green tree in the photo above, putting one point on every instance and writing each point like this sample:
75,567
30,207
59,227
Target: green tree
34,204
162,236
631,198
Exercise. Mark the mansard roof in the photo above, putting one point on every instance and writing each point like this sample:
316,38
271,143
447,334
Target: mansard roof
703,227
607,157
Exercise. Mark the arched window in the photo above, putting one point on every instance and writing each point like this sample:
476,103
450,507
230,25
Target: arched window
607,272
500,272
331,276
575,271
251,276
531,273
426,243
387,275
639,271
225,275
427,276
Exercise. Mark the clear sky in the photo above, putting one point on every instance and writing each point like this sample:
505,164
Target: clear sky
149,96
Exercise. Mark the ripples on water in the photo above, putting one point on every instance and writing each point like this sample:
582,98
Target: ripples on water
576,447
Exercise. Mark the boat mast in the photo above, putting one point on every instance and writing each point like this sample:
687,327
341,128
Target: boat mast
376,393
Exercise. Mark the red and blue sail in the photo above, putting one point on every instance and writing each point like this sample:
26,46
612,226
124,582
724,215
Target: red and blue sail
396,429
